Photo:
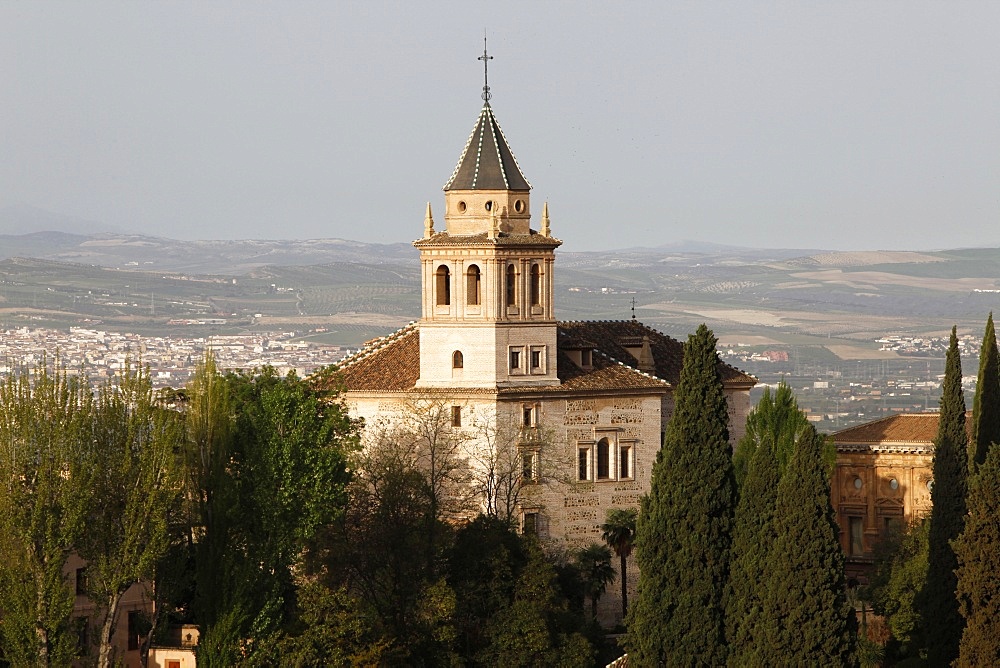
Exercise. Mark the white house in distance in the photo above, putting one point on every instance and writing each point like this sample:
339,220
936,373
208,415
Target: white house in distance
585,403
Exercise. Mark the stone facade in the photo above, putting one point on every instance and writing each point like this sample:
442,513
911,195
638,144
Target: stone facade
883,480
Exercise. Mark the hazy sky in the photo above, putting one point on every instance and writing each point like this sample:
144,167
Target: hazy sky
845,125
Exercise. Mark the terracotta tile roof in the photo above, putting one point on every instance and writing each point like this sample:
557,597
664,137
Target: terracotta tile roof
918,428
392,363
389,364
612,337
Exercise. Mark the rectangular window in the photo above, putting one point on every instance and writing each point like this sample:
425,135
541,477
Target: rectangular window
456,416
536,359
857,527
82,638
528,416
583,464
529,525
625,462
173,663
133,629
81,581
528,471
586,358
515,359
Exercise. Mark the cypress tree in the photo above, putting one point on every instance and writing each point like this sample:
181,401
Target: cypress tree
978,552
947,516
986,405
684,526
753,535
805,591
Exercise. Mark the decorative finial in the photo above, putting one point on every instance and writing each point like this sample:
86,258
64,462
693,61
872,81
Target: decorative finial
486,70
428,223
494,226
546,229
633,308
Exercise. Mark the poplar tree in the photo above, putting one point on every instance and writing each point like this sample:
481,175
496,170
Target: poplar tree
978,552
685,523
805,589
135,482
986,405
44,496
753,535
947,515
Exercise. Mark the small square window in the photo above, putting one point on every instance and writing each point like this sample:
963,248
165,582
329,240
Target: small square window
456,416
515,359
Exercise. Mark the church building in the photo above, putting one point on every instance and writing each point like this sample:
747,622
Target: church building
579,408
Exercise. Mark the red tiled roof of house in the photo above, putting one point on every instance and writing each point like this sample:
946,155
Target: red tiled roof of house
903,428
392,363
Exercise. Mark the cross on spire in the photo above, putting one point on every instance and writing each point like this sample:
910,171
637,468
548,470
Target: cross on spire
633,308
486,67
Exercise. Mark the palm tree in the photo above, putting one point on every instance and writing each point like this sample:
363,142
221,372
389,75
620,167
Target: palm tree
619,534
594,562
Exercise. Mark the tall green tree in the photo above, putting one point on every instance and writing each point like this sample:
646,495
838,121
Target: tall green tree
777,421
900,575
135,482
986,404
535,629
978,552
805,587
951,462
685,523
594,563
45,426
747,617
272,473
618,531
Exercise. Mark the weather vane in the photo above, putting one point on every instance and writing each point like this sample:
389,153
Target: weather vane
486,71
633,308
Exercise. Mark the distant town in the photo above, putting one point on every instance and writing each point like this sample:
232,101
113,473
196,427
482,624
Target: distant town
834,395
98,354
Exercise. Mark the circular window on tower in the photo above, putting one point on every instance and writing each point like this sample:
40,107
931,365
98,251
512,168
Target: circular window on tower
894,484
461,207
489,205
857,483
519,206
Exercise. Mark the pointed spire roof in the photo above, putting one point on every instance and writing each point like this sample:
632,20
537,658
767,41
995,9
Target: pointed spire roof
487,162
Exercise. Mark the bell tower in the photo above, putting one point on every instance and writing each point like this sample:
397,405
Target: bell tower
487,317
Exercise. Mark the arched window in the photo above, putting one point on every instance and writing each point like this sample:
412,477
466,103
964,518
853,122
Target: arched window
443,286
536,285
457,361
603,459
472,285
511,283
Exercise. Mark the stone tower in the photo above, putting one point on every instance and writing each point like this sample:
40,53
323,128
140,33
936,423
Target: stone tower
487,318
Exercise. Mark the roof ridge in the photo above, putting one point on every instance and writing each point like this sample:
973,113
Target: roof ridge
493,131
376,345
632,368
